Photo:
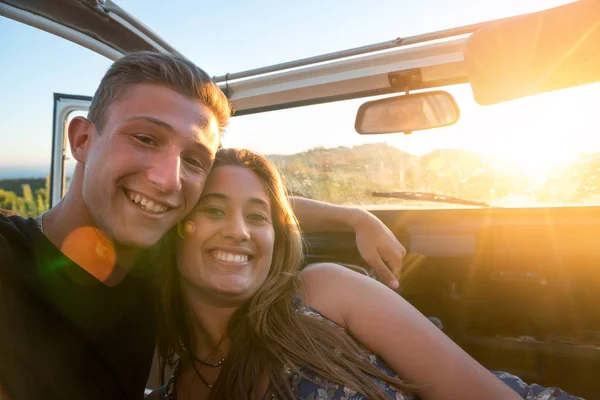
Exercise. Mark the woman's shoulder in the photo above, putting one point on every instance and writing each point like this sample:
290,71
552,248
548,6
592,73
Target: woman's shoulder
322,268
329,276
329,288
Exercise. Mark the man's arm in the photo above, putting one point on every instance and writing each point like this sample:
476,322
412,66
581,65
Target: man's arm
376,244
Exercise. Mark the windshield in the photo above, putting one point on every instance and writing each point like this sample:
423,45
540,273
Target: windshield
522,153
537,151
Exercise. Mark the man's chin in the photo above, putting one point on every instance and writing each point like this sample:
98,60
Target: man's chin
138,240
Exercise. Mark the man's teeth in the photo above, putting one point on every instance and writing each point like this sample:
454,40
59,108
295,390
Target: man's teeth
229,257
146,204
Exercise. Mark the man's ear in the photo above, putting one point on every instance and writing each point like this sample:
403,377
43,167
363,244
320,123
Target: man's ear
80,134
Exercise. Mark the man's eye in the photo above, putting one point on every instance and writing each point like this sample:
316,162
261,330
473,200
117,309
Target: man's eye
194,162
145,139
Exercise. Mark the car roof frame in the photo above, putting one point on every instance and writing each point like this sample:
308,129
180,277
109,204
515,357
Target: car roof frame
100,26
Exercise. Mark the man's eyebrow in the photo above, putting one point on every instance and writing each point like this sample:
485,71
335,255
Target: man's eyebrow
152,120
221,196
165,125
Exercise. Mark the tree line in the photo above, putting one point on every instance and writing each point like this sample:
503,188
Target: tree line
26,197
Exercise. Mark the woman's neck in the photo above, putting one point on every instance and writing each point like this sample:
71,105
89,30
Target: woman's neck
209,322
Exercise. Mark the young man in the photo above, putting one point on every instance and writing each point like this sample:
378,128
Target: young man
75,301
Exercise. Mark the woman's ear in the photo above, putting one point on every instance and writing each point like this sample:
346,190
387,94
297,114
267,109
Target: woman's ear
80,133
185,228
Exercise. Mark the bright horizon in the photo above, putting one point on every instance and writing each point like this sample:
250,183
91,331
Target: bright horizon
27,89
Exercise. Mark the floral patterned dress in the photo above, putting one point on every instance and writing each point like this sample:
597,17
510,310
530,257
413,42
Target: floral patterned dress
309,386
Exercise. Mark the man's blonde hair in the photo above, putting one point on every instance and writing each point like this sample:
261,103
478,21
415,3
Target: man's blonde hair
174,72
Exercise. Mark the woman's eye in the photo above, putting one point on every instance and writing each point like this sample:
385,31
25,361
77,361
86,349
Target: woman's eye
213,212
257,217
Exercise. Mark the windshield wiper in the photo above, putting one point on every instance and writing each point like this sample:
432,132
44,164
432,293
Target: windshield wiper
427,196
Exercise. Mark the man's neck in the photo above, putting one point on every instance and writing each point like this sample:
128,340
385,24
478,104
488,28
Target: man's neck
69,227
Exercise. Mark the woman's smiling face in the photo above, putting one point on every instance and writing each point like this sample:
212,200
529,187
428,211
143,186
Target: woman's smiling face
229,253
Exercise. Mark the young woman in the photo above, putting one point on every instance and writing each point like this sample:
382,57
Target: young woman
238,320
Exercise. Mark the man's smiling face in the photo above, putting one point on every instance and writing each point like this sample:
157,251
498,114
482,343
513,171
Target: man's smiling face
146,169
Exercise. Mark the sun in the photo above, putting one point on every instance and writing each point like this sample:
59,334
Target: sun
539,164
537,134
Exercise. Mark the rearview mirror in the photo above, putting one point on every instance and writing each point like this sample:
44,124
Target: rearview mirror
535,53
413,112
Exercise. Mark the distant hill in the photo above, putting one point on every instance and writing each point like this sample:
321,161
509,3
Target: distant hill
350,175
343,174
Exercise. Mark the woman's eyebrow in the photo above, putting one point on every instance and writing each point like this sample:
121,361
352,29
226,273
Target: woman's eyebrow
260,202
222,196
219,196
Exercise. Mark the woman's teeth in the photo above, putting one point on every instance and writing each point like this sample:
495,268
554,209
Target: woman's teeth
230,257
146,204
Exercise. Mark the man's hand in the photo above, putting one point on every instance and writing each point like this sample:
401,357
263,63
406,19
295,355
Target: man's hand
379,247
376,244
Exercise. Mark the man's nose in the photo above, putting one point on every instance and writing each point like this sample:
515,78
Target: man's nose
166,173
236,228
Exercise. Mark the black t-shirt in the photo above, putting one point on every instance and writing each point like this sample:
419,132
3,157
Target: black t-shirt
63,339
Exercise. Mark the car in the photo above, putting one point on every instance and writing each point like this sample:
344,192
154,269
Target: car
503,252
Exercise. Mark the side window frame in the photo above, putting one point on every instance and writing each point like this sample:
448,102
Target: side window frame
64,106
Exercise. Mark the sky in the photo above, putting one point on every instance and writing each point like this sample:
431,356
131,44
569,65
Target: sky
238,35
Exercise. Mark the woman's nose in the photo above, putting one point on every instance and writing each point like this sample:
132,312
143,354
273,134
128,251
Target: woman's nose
236,228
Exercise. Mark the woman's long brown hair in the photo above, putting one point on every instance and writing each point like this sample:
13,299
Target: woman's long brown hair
268,335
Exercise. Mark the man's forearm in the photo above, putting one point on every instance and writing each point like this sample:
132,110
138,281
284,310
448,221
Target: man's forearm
317,216
375,242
